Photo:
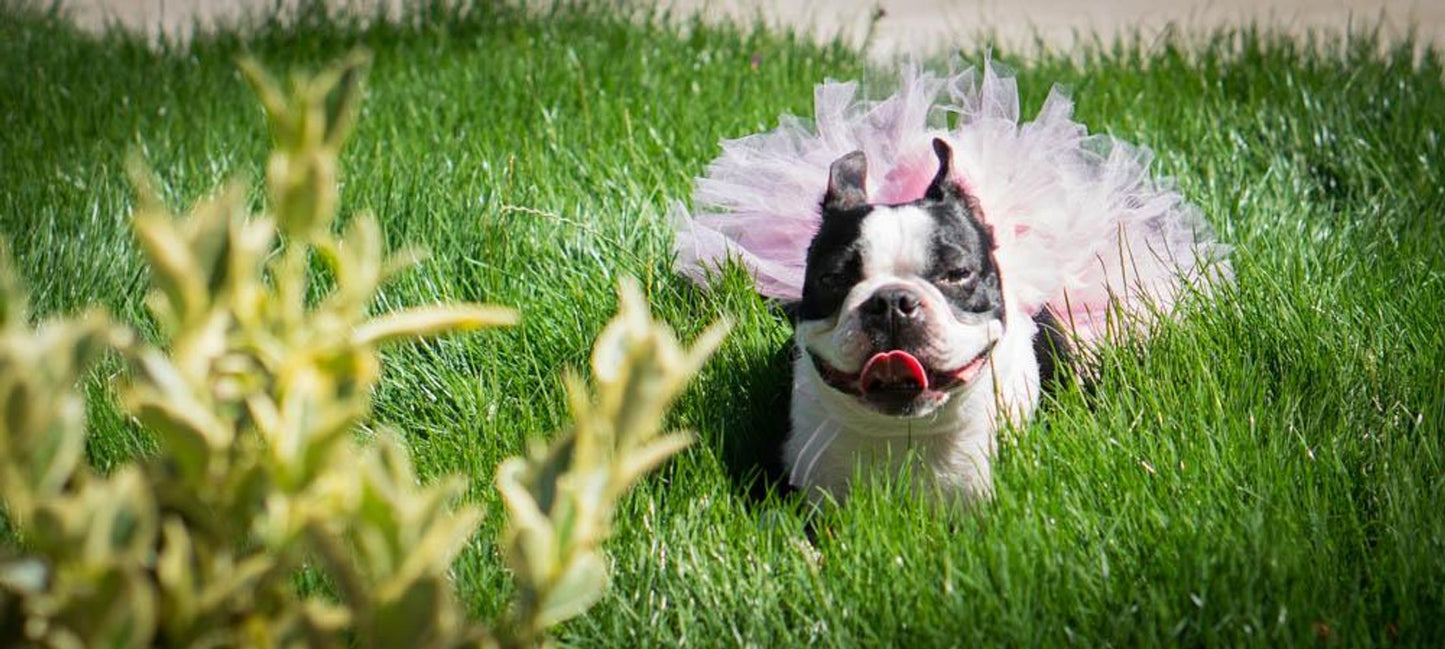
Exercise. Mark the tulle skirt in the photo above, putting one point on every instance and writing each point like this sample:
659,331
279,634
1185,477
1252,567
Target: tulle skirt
1082,227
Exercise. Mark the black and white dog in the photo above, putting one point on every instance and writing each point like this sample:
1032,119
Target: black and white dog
933,301
908,346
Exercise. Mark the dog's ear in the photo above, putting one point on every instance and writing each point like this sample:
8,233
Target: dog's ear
945,188
943,185
847,183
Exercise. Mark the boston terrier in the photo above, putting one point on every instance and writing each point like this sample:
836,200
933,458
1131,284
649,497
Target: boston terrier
908,348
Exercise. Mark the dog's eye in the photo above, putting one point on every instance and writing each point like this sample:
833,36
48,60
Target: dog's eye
958,275
834,279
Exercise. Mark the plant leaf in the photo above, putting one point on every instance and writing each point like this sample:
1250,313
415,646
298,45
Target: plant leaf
430,321
639,462
580,585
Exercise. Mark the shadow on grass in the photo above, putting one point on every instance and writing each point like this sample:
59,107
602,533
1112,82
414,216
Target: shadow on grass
744,411
752,448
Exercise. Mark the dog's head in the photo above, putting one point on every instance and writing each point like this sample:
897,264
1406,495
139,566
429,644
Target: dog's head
902,304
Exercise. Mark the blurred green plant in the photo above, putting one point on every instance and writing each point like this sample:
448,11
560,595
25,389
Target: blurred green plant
255,396
560,499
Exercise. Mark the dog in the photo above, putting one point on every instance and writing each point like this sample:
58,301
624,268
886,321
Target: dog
907,344
933,302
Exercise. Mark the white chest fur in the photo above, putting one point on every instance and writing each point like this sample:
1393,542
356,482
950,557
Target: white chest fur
951,449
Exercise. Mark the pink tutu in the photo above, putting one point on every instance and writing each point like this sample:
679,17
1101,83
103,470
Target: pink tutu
1081,226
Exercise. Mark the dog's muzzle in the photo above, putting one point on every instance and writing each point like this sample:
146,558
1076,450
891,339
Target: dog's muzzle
897,376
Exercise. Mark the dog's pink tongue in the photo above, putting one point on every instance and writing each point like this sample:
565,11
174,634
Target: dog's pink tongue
893,368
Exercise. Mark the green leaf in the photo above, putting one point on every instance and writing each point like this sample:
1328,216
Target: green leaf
209,236
58,453
273,100
165,402
347,77
705,345
430,321
639,462
445,536
174,271
14,310
581,584
175,572
411,619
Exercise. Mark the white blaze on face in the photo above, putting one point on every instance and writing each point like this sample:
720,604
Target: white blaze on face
896,243
896,249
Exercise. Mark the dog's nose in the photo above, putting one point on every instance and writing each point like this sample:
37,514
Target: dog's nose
893,305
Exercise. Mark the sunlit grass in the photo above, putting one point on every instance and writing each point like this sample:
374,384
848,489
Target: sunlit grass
1269,471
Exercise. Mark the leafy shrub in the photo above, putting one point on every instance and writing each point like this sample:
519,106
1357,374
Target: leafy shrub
255,395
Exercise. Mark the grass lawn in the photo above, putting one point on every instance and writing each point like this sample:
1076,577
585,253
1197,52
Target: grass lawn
1269,471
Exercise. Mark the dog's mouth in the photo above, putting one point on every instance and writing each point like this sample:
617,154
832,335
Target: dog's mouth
892,380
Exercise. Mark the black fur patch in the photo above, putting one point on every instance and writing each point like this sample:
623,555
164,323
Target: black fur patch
1052,349
834,263
963,267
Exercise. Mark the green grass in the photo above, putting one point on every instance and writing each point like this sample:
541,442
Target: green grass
1269,471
